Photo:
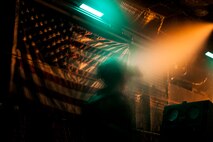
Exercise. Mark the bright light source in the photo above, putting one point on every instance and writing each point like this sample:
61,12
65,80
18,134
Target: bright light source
209,54
91,10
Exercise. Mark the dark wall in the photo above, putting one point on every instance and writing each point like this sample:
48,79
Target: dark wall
7,29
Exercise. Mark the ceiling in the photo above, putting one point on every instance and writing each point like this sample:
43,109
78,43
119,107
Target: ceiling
177,10
181,9
174,11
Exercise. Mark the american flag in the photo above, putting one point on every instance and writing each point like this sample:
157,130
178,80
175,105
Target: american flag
54,59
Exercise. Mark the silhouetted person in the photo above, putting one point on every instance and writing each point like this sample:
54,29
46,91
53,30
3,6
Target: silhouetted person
108,113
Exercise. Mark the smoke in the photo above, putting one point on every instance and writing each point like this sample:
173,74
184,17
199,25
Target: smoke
181,44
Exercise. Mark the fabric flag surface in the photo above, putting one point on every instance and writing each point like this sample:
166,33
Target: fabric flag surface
54,60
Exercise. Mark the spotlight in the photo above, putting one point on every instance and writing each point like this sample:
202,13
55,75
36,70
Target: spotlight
91,10
209,54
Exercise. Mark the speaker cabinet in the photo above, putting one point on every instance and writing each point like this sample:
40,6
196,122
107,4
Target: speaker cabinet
188,122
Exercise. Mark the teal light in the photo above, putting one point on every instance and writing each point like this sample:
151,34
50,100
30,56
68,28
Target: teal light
209,54
91,10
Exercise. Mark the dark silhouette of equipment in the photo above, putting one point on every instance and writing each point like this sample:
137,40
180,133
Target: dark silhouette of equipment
188,122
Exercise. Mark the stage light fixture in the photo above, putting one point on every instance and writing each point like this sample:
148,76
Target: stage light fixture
91,10
186,122
173,115
209,54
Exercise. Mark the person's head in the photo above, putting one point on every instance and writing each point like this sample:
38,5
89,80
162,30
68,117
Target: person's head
112,72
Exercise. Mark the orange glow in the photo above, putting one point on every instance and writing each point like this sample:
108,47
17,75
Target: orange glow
181,45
